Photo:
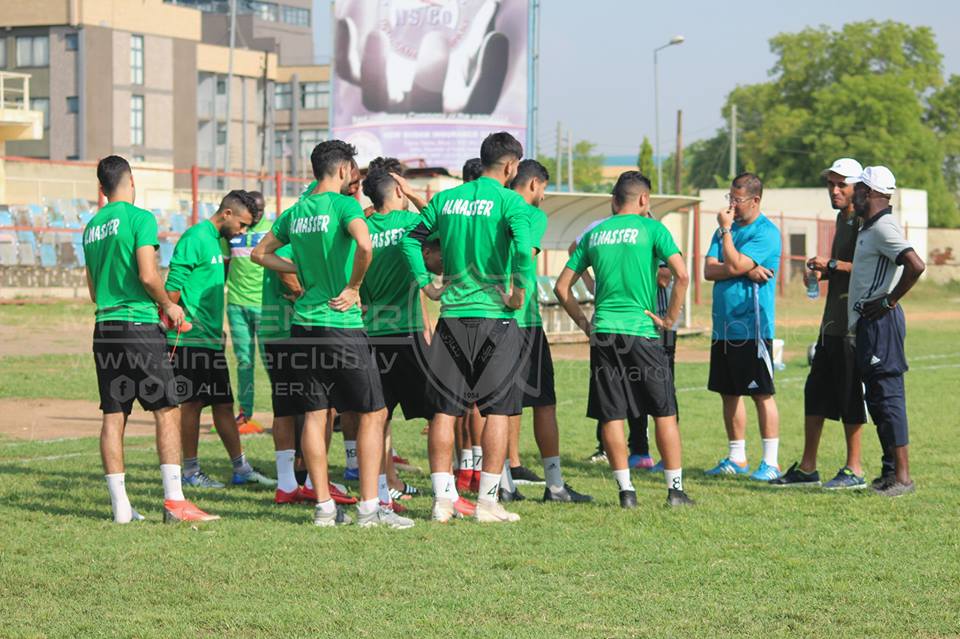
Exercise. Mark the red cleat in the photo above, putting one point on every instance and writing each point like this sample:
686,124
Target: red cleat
293,497
475,482
395,506
174,511
338,496
465,507
464,480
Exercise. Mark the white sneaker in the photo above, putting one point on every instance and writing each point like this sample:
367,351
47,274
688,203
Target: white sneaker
443,511
384,517
493,512
337,518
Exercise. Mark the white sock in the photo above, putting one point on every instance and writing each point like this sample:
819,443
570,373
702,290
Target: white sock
122,511
368,506
506,478
738,451
478,458
552,473
240,464
622,477
383,491
444,486
770,449
286,478
172,484
327,506
489,486
466,459
309,483
674,478
350,447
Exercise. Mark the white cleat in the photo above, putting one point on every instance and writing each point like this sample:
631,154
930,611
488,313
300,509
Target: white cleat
493,512
444,511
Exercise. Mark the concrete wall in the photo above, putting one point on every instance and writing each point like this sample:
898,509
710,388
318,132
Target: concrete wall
943,258
100,135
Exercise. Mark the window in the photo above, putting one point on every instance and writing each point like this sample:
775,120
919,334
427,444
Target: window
296,15
221,133
281,145
71,41
138,158
314,95
310,138
221,86
136,59
73,104
263,10
136,120
33,51
3,53
282,96
42,105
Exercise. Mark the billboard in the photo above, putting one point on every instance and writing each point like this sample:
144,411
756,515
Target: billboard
429,79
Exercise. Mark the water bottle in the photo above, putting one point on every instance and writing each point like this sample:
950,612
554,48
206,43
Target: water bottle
813,285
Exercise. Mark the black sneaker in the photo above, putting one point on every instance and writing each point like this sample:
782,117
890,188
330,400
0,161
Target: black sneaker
523,475
795,477
506,496
896,489
678,498
628,499
883,482
565,495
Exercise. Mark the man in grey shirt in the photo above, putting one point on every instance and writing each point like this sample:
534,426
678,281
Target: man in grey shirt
877,322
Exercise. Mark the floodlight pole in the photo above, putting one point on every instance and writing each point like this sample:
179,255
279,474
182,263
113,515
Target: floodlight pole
656,108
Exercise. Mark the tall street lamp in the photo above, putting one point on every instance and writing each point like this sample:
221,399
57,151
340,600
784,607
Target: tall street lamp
656,107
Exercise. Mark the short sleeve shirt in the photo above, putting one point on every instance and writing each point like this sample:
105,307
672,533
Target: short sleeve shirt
876,262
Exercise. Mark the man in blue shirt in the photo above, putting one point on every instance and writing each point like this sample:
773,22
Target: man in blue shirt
743,260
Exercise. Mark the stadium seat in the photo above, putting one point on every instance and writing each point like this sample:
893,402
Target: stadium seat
545,293
166,252
581,293
26,248
48,255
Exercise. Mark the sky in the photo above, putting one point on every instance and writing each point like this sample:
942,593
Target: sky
596,59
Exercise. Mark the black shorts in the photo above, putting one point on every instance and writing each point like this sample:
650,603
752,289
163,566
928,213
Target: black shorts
132,363
833,389
401,374
334,368
475,360
737,368
202,375
629,377
537,378
283,380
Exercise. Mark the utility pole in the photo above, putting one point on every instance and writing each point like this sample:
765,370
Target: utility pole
559,176
733,141
569,161
678,156
233,42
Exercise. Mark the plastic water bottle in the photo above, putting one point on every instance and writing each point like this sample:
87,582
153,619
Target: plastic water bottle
813,285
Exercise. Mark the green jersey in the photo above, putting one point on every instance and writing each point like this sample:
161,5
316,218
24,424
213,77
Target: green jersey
244,278
196,272
530,313
625,252
316,227
389,290
110,243
276,313
481,226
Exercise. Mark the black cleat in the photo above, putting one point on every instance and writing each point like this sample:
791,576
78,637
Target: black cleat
565,495
795,477
628,499
883,482
523,475
678,498
506,496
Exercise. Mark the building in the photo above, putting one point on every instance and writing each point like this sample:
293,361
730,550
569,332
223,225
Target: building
148,79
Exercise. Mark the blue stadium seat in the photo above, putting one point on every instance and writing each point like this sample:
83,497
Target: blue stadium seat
5,218
166,252
48,255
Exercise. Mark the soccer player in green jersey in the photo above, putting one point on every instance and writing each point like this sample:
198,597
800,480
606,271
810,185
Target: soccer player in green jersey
331,254
195,281
629,369
537,378
484,233
120,248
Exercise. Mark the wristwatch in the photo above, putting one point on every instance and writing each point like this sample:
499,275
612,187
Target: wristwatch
721,231
831,265
886,303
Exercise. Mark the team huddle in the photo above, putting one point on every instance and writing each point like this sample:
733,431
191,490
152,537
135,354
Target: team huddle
346,338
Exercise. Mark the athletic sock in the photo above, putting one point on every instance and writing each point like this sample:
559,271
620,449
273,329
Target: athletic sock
286,478
466,459
489,485
443,486
368,506
309,483
172,484
771,448
552,473
383,491
674,478
478,458
122,511
350,448
191,466
738,451
506,478
622,477
240,465
327,507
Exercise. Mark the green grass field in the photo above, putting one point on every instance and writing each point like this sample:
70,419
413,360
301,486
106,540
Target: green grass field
747,561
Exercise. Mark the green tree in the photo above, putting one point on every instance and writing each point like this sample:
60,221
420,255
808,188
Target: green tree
587,168
645,158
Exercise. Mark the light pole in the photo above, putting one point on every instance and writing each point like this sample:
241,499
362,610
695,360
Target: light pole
656,107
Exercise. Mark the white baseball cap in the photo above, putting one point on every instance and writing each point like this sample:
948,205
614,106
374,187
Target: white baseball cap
847,167
878,178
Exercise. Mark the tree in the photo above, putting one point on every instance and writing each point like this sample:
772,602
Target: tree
645,158
587,169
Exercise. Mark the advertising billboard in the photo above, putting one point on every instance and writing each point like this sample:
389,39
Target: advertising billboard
427,80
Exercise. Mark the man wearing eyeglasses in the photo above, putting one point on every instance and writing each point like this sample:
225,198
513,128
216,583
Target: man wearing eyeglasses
743,260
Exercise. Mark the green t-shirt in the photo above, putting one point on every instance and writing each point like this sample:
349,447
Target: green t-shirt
389,290
625,252
316,227
244,278
530,313
481,226
110,243
196,272
276,313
